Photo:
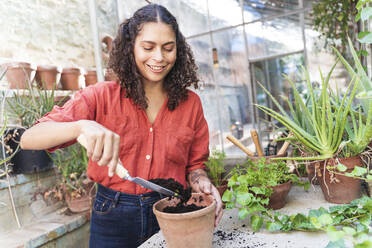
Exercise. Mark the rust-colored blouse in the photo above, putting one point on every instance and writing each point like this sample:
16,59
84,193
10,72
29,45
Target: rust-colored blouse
175,144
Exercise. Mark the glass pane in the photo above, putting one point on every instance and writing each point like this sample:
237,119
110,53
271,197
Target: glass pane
274,37
224,13
186,10
256,9
269,74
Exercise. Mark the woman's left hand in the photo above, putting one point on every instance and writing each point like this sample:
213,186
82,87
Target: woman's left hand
200,182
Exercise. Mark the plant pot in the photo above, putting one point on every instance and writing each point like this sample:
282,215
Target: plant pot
338,188
19,75
369,183
90,77
70,78
83,203
222,188
277,199
27,161
193,229
46,77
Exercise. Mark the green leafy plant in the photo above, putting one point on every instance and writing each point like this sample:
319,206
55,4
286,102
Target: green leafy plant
72,163
216,167
251,186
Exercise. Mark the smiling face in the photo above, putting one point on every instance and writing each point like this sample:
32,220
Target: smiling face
155,51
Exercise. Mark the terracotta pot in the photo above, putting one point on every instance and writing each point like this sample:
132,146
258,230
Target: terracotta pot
222,188
78,205
369,183
19,75
90,77
46,77
277,199
337,188
193,229
70,78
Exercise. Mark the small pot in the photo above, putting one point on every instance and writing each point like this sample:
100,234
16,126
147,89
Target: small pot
310,169
338,188
280,192
90,77
70,78
46,77
19,75
192,229
222,188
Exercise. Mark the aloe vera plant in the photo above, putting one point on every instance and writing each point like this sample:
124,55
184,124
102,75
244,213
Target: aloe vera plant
323,123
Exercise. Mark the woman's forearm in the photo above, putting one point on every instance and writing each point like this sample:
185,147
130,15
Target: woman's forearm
195,176
49,134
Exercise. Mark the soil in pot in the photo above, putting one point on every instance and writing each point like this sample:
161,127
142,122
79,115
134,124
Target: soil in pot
338,188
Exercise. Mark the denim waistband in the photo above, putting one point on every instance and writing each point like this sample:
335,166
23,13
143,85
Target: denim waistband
118,196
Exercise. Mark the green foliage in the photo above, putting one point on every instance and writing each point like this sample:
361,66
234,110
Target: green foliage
364,14
321,129
251,186
215,167
72,162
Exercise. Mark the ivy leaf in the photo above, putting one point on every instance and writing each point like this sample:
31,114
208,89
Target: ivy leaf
362,34
338,244
366,13
325,219
359,171
243,213
299,221
243,197
333,234
232,181
366,39
349,230
341,167
256,222
227,196
230,205
369,177
273,226
365,220
258,190
357,17
365,244
315,222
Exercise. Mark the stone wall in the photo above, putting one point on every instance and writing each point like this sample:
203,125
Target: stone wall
51,31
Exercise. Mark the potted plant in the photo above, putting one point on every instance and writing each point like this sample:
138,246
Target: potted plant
74,187
327,132
259,185
216,170
28,106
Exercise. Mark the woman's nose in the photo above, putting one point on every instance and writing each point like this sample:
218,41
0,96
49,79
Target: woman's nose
158,55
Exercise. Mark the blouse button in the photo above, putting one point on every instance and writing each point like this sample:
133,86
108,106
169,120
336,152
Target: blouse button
150,129
147,157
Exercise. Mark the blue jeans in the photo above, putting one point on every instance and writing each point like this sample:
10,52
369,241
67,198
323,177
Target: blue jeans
122,220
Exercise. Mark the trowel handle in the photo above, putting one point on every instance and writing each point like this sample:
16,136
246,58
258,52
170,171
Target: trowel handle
120,170
240,145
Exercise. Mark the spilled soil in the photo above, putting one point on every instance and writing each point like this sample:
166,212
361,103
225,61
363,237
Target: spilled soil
183,194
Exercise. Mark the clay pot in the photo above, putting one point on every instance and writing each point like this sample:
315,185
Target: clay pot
337,188
193,229
90,77
70,78
277,199
19,75
46,77
369,183
83,203
222,188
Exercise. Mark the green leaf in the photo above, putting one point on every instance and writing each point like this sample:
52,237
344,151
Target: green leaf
258,190
365,244
230,205
359,171
365,220
357,17
366,39
341,167
369,177
338,244
333,234
366,13
325,219
273,226
315,222
349,230
227,196
243,197
243,213
256,222
362,34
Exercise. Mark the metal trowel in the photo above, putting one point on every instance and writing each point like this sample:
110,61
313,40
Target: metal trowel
124,174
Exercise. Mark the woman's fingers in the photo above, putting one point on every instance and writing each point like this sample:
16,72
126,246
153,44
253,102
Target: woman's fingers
219,212
98,148
115,155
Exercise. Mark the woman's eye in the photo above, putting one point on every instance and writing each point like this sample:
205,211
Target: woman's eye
147,48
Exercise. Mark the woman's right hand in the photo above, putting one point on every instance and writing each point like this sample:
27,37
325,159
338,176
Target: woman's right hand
101,143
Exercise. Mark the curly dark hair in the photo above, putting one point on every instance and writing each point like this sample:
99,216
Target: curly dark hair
122,62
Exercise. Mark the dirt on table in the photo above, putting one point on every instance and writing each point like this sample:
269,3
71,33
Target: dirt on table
183,194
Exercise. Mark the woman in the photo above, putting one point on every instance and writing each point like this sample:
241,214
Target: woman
149,121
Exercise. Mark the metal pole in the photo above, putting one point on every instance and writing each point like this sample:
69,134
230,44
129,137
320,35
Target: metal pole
96,40
302,24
